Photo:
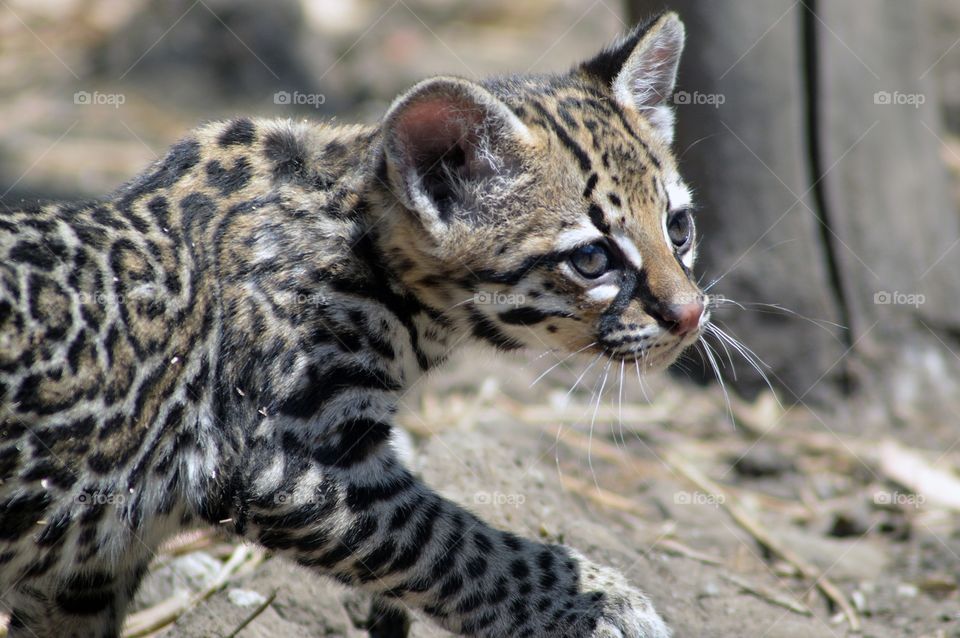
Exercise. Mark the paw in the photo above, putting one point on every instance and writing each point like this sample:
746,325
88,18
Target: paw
625,612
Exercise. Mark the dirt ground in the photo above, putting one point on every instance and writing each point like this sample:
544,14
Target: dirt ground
734,530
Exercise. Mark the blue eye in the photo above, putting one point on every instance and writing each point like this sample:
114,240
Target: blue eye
591,260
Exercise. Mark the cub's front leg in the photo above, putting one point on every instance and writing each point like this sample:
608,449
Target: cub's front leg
368,522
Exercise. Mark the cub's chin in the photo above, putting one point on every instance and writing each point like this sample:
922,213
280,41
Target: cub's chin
651,354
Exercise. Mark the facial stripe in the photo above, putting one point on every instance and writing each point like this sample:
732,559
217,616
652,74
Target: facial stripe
626,125
591,184
633,286
598,219
642,293
582,158
610,319
530,316
485,330
513,277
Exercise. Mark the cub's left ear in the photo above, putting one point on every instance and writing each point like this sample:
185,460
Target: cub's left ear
449,144
641,69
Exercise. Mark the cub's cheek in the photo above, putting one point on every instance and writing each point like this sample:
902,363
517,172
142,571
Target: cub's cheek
571,335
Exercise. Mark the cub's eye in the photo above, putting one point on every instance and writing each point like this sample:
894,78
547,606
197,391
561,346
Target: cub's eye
591,260
680,229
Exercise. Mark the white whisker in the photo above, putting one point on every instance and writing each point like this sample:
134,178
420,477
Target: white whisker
708,329
749,355
577,382
824,324
542,355
556,444
716,371
695,142
623,365
593,420
643,388
548,370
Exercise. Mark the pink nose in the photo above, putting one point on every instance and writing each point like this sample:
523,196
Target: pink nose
684,318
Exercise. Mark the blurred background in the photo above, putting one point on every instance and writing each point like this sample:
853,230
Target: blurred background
823,142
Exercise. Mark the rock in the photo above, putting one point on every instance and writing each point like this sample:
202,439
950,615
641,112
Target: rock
245,597
191,572
907,590
305,605
854,521
762,460
855,559
709,589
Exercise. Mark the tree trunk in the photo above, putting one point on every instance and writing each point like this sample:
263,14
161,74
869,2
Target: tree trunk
894,229
819,196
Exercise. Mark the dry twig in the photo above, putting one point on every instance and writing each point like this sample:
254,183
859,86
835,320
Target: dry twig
767,540
768,595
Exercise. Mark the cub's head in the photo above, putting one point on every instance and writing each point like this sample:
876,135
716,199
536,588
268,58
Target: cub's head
547,211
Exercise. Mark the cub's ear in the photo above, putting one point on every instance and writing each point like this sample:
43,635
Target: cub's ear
449,144
641,69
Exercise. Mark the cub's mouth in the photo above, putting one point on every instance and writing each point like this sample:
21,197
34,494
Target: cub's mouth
657,344
653,350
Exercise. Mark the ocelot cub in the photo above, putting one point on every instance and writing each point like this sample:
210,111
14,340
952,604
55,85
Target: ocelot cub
225,339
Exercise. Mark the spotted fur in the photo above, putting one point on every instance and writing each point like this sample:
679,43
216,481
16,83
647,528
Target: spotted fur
225,340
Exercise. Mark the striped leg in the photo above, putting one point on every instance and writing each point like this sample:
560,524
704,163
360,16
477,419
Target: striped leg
88,604
387,620
371,524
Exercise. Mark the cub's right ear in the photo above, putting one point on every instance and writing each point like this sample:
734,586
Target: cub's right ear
447,142
641,69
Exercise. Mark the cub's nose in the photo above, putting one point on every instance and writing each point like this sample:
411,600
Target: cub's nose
683,318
